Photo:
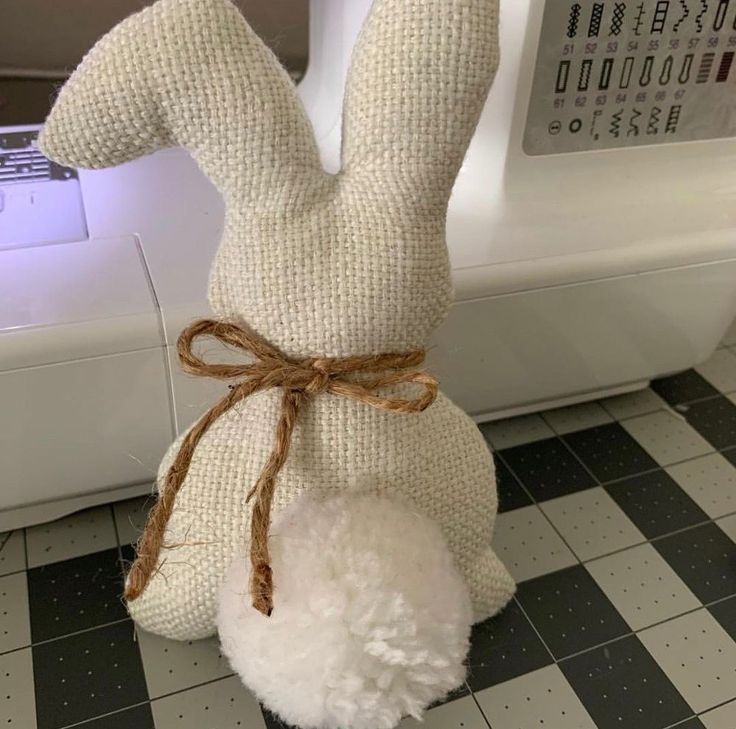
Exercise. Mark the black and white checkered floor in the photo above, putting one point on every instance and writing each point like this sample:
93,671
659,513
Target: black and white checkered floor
618,519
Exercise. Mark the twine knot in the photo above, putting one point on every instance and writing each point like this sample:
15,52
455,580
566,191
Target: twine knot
358,378
321,378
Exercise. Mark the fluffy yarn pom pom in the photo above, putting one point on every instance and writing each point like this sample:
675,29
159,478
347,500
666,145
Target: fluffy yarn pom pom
371,618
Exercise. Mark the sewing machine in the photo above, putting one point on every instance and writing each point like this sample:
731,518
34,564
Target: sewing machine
591,233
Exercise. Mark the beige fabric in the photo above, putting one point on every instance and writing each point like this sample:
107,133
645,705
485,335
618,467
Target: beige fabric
318,264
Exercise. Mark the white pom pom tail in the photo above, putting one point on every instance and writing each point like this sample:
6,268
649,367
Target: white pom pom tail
371,618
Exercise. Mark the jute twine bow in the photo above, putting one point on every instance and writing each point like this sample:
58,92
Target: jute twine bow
300,379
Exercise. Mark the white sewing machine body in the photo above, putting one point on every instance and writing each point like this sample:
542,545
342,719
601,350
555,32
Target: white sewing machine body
577,274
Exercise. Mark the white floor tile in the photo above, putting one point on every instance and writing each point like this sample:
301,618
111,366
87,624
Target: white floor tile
224,704
666,437
459,714
642,586
535,700
83,533
720,370
12,552
15,619
592,523
697,655
172,665
576,417
516,431
632,404
528,545
710,481
17,694
724,717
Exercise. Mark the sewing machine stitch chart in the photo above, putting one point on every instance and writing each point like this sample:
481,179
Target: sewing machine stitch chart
621,74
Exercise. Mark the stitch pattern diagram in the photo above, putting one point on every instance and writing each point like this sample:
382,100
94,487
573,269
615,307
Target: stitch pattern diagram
617,19
639,20
721,14
633,129
666,75
606,69
574,20
584,78
594,28
660,16
646,71
706,64
673,119
563,73
626,71
687,67
725,67
654,119
615,129
699,16
683,17
594,124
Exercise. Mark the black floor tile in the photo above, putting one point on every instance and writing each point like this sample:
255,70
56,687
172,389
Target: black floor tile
725,613
570,611
86,675
683,387
715,420
705,559
656,504
621,685
504,647
139,717
127,553
76,594
610,452
547,469
511,494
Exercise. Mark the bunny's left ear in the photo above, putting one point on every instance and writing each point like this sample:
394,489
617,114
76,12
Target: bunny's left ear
190,73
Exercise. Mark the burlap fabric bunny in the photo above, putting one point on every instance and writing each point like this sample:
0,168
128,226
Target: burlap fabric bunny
317,265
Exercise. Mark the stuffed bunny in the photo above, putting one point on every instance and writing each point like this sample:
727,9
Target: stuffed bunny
317,265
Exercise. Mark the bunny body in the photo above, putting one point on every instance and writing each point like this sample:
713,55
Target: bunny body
437,462
318,264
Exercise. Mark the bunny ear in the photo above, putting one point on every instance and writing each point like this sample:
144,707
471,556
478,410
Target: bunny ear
193,73
419,78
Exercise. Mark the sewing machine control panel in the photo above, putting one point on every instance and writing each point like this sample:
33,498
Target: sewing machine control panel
621,74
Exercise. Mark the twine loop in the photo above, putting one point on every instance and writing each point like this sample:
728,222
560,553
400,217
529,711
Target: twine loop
358,378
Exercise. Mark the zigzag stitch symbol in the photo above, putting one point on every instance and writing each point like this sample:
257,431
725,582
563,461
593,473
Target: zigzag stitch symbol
615,128
653,124
633,126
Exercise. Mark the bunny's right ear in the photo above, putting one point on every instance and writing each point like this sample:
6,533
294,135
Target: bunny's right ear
418,80
193,73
